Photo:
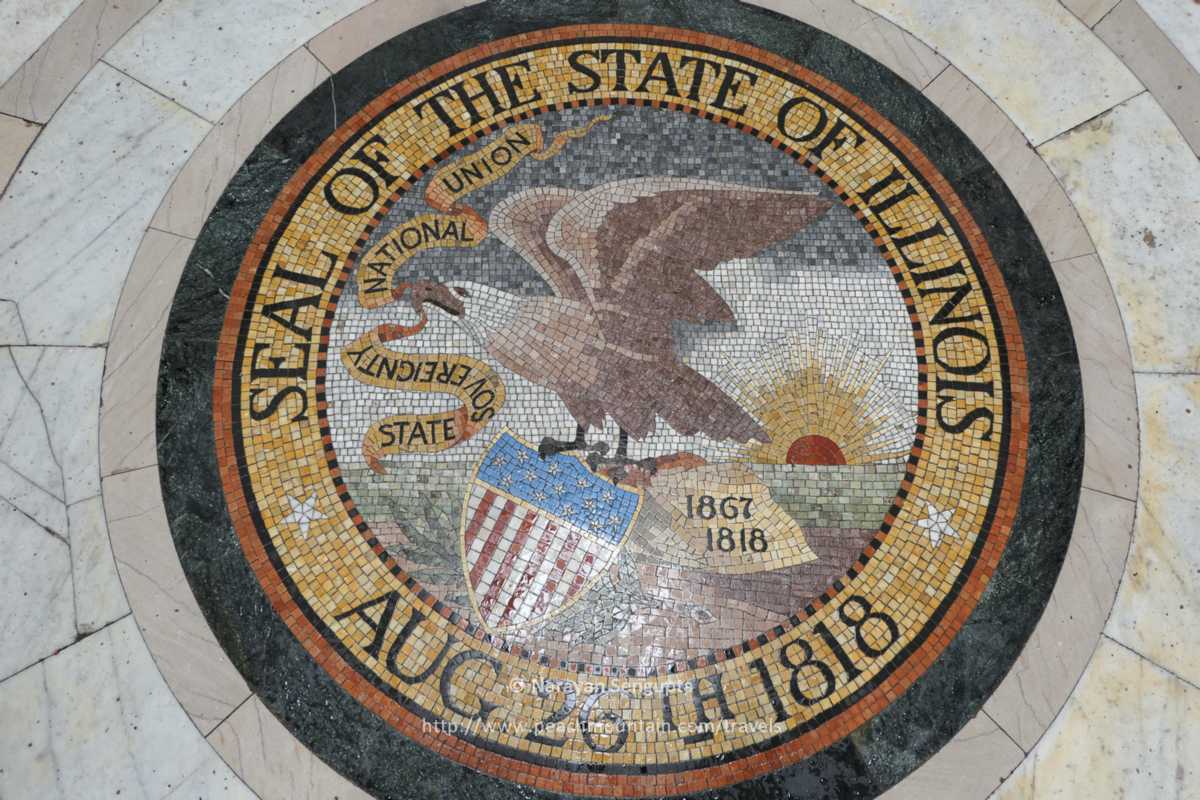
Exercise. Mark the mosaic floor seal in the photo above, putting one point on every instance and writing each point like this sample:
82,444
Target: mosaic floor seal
617,409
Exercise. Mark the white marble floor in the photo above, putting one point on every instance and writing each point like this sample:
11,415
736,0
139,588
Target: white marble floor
120,124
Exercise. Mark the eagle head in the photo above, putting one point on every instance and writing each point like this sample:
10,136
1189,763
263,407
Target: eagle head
447,298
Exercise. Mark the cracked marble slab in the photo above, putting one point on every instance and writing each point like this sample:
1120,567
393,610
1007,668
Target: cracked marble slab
43,81
1089,11
205,54
197,669
973,763
1010,54
77,207
1159,602
1061,646
1180,21
374,24
273,762
884,41
26,24
49,474
39,613
222,152
1054,219
96,720
1136,184
15,137
1130,730
1153,57
131,366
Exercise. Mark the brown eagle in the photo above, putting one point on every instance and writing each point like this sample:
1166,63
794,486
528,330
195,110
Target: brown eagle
623,261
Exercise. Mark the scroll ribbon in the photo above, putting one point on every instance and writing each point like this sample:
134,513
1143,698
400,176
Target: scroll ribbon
478,388
455,225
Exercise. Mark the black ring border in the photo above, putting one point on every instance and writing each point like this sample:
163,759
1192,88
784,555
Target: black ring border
687,22
410,583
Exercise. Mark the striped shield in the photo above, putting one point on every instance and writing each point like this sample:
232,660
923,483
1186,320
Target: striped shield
536,532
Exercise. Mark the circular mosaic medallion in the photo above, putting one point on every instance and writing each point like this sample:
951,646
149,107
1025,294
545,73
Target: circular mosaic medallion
617,409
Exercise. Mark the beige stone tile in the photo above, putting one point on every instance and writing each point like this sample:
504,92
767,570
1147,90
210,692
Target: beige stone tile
1146,50
971,765
1049,666
1089,11
1159,603
1109,396
1180,20
890,45
205,54
373,25
1037,191
197,670
15,137
1010,54
131,367
1134,180
273,762
208,171
97,721
38,87
81,201
26,24
1131,730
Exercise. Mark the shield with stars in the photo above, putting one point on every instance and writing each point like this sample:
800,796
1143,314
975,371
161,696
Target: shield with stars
536,532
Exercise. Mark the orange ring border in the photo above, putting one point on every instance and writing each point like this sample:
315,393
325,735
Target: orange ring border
603,784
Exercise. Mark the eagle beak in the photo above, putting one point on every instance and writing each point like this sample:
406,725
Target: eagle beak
448,300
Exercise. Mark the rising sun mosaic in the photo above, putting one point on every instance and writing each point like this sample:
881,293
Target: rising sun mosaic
621,410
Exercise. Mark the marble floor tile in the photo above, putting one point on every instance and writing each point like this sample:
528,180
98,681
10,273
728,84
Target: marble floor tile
1180,21
39,611
1133,179
12,327
273,762
206,54
374,24
895,48
26,24
1089,11
64,383
1036,687
97,721
1157,607
15,137
1049,209
99,598
1146,50
1110,461
198,671
131,367
78,205
1130,730
972,764
222,152
1008,55
31,475
38,87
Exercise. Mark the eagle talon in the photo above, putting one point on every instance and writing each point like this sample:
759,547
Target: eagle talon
552,447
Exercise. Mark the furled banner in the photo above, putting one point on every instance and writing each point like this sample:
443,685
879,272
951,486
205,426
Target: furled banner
478,388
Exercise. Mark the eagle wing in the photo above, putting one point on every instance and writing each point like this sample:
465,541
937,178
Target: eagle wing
638,245
520,221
